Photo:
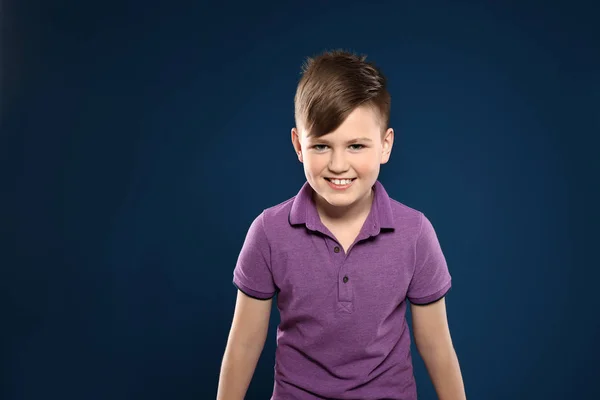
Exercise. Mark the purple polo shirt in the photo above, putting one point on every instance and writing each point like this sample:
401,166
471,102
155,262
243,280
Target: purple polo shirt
343,331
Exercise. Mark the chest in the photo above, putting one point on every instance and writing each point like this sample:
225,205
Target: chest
315,274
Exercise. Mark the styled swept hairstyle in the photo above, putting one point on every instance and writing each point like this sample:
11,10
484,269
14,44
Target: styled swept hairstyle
335,83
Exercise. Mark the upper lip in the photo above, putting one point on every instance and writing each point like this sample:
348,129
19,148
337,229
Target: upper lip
341,179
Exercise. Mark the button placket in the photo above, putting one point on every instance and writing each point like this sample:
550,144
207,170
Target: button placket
338,257
344,283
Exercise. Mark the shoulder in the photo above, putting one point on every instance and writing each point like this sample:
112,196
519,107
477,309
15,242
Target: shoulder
414,224
404,210
406,216
279,211
274,220
411,222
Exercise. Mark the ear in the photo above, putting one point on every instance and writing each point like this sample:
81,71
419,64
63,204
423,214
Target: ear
387,144
296,143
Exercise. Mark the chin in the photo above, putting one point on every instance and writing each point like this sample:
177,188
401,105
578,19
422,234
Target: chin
342,198
339,201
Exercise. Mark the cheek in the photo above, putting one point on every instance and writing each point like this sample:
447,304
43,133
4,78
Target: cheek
314,165
368,163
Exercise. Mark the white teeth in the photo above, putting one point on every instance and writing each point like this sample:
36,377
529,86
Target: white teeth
341,181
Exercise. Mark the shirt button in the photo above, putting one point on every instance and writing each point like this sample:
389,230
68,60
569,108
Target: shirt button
336,249
345,279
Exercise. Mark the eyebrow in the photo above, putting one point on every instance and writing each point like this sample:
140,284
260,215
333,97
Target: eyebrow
361,139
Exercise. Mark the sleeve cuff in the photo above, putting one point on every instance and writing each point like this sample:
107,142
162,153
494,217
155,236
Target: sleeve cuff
253,293
432,298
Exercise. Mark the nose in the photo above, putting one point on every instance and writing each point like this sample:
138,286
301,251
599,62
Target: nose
338,163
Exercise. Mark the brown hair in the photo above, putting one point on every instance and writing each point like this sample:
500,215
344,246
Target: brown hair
334,84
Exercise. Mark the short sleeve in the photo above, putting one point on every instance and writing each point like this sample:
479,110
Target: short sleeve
252,274
431,279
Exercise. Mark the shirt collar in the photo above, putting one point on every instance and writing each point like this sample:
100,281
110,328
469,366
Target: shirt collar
304,211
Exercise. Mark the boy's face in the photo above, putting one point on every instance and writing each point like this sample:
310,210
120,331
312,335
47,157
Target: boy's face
342,166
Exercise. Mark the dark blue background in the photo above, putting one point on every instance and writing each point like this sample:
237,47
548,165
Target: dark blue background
140,139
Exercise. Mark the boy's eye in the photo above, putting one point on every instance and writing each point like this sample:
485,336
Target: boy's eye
322,147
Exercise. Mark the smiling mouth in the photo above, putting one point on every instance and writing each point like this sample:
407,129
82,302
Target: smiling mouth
340,182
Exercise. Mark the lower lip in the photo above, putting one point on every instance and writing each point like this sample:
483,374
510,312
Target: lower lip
339,187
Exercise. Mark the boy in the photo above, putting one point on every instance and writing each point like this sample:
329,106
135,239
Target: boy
342,257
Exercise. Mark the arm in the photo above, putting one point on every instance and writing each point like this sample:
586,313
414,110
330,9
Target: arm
433,341
244,346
